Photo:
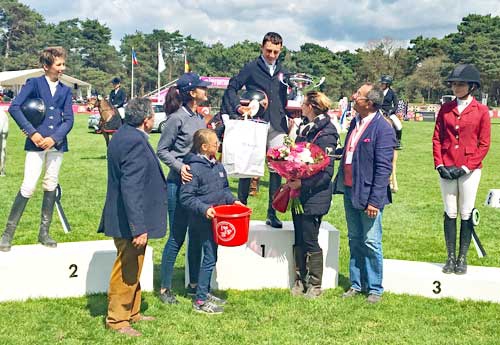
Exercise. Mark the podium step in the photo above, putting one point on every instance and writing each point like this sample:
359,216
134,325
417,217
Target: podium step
72,269
426,279
266,260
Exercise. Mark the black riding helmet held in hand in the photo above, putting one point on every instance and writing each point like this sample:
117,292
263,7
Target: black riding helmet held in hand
34,110
466,73
249,97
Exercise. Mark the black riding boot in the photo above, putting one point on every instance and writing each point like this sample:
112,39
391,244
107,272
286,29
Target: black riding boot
274,185
15,214
299,286
314,265
466,227
450,238
243,189
49,199
399,134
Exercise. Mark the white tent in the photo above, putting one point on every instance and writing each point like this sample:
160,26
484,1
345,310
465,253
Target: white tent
14,80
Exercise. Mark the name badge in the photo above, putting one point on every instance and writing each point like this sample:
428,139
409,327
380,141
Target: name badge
348,157
221,174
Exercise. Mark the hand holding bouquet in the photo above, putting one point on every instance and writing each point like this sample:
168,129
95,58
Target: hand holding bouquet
296,161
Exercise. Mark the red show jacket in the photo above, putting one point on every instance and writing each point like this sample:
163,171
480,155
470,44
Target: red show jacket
461,139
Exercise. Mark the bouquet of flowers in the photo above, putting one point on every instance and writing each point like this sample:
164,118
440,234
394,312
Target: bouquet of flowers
297,161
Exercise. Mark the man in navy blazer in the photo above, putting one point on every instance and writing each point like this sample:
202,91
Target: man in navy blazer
263,74
363,178
135,211
45,142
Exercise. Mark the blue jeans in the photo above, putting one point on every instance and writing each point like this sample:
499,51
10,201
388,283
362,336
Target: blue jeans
208,262
178,223
365,245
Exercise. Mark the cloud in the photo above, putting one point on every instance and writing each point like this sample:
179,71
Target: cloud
338,25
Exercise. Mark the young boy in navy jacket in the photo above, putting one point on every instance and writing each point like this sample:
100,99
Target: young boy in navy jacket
46,141
209,187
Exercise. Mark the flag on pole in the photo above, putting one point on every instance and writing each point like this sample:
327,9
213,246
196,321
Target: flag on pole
161,62
186,64
134,58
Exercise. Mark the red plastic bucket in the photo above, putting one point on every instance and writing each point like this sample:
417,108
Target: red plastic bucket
230,225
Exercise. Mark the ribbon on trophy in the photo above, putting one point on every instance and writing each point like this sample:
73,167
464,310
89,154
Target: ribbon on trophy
60,211
477,243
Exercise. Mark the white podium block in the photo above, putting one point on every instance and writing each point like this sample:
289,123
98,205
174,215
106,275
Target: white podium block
266,260
70,270
493,198
426,279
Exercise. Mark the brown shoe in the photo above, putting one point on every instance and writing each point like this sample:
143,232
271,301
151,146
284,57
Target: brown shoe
128,331
373,299
143,318
350,293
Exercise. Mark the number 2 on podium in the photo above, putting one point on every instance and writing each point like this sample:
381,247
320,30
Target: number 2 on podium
74,268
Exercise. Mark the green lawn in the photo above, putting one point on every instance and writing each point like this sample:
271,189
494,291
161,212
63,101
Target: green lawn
412,231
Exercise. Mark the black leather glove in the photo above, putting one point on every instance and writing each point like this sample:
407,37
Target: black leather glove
444,173
456,172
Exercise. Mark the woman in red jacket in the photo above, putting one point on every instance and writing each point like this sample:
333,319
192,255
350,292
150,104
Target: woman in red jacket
460,143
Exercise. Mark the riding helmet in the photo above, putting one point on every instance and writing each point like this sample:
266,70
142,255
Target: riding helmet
34,111
386,79
465,72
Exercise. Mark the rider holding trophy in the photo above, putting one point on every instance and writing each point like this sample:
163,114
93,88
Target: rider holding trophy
263,74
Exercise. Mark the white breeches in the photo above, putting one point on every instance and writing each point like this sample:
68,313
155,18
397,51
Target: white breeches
33,168
396,122
460,194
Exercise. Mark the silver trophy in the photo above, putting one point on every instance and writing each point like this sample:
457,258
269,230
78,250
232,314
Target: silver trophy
298,82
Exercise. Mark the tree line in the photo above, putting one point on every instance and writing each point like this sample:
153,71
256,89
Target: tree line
418,70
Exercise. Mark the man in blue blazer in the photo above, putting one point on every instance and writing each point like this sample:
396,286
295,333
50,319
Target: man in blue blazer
45,143
135,211
363,178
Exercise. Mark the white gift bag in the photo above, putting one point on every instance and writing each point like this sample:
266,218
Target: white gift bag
244,148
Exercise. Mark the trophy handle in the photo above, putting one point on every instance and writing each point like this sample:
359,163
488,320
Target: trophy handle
281,78
321,81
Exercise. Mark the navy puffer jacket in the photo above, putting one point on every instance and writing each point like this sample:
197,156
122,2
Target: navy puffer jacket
209,186
316,191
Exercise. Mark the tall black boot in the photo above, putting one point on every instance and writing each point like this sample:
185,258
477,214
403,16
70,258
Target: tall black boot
299,286
243,189
399,134
274,185
49,199
466,227
450,238
314,266
15,214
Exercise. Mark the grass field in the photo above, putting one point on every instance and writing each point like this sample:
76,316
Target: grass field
412,231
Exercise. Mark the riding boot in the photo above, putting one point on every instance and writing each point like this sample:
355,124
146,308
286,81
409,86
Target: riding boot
49,199
314,267
399,134
274,185
254,186
299,286
243,189
466,227
15,214
450,238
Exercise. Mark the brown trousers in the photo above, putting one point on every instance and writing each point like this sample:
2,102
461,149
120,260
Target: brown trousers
124,293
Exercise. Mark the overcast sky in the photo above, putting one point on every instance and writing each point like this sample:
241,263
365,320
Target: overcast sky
336,24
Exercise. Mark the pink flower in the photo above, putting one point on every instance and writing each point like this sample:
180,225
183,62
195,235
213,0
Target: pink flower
367,140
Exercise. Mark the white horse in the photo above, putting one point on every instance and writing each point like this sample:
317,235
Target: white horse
4,132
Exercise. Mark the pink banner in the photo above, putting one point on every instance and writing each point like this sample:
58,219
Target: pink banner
217,82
